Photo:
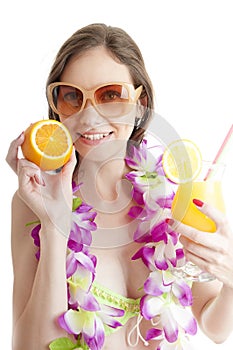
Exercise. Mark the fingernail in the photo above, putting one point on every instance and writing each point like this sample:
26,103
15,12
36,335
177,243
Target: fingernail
198,203
20,135
169,221
39,180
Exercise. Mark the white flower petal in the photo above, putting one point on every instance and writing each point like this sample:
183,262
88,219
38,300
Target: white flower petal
74,321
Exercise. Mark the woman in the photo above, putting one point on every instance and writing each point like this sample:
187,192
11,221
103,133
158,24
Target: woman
104,284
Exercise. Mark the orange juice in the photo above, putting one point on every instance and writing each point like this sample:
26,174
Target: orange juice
184,210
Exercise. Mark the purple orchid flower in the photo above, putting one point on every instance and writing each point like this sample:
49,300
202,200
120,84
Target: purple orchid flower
161,249
86,323
152,189
160,282
79,285
74,259
36,238
90,324
142,160
160,256
172,316
76,187
84,220
148,178
182,342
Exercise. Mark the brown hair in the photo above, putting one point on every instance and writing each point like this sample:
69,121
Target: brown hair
124,49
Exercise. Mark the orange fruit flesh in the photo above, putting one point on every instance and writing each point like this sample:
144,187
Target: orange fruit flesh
47,140
48,144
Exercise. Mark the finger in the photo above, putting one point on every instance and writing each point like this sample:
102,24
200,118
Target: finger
12,154
70,165
39,179
200,237
213,213
199,261
201,256
26,163
197,249
28,171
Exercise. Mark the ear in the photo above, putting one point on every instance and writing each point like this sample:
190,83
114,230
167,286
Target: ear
143,101
141,105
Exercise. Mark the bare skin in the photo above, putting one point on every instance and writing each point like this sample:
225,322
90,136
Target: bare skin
40,287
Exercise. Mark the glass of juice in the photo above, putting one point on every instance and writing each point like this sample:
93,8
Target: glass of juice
208,188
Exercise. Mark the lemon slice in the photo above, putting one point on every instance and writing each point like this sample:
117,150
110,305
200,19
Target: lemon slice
182,161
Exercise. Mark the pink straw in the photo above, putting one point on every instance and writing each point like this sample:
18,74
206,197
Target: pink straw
222,151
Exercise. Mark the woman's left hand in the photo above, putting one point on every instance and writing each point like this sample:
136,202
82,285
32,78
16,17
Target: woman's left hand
212,252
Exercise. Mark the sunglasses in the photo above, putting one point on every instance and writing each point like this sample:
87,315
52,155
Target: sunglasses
110,100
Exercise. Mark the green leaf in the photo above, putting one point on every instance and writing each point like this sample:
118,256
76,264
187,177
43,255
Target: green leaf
76,203
62,344
33,222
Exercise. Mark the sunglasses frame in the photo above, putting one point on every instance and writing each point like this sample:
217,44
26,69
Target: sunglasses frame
90,94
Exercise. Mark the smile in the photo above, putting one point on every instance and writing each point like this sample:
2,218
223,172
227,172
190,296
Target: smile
95,136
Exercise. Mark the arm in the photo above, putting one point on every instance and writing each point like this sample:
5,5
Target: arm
40,292
39,288
213,301
213,308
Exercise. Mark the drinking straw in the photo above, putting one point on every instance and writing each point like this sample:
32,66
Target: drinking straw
221,152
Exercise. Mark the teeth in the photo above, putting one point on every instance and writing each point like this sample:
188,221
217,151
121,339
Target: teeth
95,136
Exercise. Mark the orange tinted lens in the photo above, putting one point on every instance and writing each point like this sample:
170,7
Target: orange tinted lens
67,99
111,94
112,100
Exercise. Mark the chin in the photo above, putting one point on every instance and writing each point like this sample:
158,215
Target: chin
112,149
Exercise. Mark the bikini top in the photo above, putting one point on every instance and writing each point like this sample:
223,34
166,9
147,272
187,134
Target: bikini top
131,309
108,297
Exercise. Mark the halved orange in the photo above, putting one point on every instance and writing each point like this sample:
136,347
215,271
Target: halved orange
48,144
182,161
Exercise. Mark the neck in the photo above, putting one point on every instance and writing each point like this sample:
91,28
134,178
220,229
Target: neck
109,179
104,185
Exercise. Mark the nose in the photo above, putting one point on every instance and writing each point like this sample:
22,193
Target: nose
89,115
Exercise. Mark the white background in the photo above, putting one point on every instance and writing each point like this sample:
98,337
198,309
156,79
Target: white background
187,46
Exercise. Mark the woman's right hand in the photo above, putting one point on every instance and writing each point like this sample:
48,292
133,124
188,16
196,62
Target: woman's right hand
48,195
12,155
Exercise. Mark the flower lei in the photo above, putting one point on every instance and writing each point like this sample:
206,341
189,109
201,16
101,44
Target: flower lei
166,298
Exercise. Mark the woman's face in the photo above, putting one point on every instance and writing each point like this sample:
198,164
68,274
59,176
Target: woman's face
89,129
